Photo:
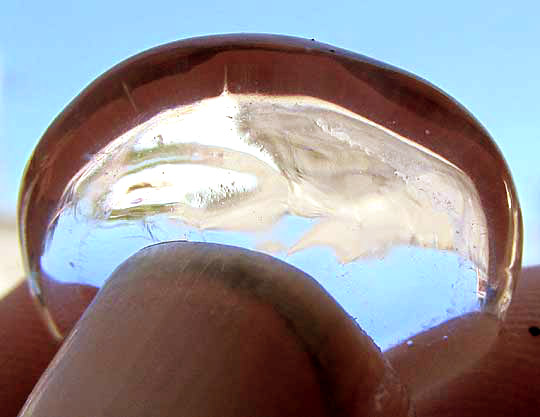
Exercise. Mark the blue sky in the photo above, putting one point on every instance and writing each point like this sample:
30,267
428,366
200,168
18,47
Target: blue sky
486,54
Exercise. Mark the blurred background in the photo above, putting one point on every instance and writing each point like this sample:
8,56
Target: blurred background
485,54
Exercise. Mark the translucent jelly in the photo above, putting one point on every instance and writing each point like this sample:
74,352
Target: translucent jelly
376,184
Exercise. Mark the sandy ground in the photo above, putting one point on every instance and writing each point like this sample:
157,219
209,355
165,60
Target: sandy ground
11,270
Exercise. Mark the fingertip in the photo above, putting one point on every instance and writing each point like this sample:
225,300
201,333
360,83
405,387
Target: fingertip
200,329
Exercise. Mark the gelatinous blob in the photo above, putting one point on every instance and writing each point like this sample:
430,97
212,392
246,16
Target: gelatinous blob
373,182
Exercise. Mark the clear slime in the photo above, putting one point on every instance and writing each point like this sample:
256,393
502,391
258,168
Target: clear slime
370,180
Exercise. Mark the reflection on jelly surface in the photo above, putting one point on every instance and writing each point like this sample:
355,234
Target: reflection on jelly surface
393,231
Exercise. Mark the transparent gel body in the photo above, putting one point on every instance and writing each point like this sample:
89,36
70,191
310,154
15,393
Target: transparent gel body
397,228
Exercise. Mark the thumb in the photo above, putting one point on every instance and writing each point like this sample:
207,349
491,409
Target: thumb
198,329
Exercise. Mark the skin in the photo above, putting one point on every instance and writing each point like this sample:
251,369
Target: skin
215,320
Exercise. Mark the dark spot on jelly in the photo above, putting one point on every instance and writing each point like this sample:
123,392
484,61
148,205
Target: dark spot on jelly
534,331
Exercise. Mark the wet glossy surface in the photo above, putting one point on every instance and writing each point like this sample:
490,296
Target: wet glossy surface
375,183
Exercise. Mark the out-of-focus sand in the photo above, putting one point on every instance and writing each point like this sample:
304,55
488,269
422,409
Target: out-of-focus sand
11,270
